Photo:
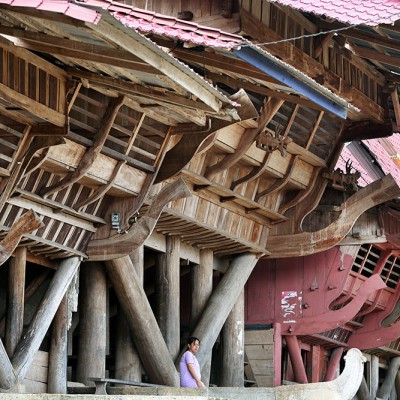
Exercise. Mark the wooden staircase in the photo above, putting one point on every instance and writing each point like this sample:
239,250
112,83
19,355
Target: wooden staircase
259,358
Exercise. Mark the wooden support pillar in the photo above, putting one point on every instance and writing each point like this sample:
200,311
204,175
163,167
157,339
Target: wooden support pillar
143,325
57,374
29,345
397,384
127,361
374,378
221,303
295,357
168,283
202,283
333,364
232,371
7,375
277,354
92,343
15,308
388,383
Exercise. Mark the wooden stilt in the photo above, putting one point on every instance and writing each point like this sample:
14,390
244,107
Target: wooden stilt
277,354
16,291
374,378
143,325
30,343
363,391
333,364
127,360
397,384
201,291
7,375
295,357
92,323
388,383
232,371
221,303
57,375
168,294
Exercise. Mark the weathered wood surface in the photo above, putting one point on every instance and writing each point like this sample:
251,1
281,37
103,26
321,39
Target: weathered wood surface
91,154
143,325
202,285
168,294
305,243
16,294
127,361
58,363
249,136
7,374
232,368
389,381
221,303
27,223
124,243
92,322
40,323
181,154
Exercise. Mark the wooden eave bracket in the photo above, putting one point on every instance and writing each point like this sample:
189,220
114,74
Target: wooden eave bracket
125,242
306,243
25,224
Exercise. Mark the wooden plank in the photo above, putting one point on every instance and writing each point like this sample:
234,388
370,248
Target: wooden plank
259,352
32,106
260,337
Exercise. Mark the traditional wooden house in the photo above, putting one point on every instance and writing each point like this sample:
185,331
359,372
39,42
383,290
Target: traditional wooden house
169,169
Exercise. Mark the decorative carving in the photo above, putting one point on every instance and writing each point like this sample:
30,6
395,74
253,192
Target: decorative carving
346,181
270,141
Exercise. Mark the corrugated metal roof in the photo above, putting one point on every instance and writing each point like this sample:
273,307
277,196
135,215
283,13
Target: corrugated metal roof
372,12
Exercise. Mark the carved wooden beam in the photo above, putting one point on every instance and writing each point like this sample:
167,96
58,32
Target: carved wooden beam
279,183
26,224
268,110
181,154
91,154
303,194
124,243
331,319
305,243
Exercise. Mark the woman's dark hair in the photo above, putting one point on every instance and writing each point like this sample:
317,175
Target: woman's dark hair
192,339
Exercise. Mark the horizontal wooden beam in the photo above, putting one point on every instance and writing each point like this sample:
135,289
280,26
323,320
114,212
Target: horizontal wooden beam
306,243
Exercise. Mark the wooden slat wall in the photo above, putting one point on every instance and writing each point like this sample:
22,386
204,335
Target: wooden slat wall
36,378
259,348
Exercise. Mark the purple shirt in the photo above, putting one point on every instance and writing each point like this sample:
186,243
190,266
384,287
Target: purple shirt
187,379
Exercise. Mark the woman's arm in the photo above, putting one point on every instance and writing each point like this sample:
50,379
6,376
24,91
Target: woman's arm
194,375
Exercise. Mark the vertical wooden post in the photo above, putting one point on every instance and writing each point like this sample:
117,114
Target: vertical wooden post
202,283
388,383
331,371
142,323
169,295
57,374
15,309
40,323
232,371
295,358
277,354
221,303
127,361
374,378
91,360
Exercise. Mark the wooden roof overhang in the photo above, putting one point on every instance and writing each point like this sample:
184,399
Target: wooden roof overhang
114,76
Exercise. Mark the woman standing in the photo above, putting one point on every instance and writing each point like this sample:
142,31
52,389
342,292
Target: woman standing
189,366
